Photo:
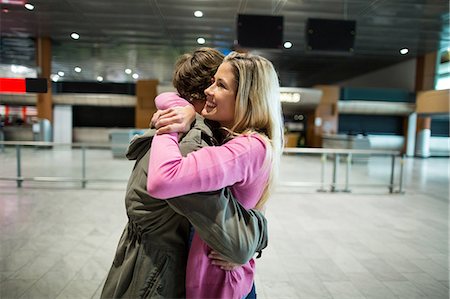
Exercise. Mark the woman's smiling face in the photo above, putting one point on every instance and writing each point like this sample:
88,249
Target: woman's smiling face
221,97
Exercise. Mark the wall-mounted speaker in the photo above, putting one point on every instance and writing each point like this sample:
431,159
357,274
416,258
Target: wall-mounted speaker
330,36
259,31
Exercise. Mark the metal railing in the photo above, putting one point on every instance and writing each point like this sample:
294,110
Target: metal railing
19,178
335,154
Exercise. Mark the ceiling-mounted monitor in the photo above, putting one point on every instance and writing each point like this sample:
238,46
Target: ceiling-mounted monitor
260,31
330,36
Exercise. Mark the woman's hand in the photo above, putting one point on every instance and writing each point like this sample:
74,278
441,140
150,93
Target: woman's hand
173,120
218,260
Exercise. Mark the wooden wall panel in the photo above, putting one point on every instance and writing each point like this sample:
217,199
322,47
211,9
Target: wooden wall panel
145,102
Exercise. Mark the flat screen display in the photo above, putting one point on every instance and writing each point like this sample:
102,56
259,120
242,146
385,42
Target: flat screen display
330,35
260,31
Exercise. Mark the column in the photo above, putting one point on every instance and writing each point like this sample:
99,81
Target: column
324,120
44,62
425,80
410,138
423,137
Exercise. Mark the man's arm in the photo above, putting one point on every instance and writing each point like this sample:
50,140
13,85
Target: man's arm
225,225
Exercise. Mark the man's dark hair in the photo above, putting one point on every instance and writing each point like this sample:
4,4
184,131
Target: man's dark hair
194,72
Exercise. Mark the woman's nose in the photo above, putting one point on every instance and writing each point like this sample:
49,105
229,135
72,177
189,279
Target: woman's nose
208,90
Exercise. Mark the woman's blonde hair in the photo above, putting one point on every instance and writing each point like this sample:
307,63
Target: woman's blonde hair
258,108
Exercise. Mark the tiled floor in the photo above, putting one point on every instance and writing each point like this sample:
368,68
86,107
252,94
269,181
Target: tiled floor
57,240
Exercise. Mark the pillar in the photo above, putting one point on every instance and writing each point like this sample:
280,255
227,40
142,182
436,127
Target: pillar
44,103
145,102
324,119
425,80
423,137
410,138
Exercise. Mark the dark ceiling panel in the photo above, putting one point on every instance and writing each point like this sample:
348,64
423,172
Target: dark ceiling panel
147,36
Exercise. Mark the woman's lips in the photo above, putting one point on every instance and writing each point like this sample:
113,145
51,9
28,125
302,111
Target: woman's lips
209,106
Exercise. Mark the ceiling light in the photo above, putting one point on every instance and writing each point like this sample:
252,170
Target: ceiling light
404,51
29,6
60,73
75,35
135,76
288,45
201,40
99,78
54,77
128,71
77,69
198,13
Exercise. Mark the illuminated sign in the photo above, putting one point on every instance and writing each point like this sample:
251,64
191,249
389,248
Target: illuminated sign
13,2
290,97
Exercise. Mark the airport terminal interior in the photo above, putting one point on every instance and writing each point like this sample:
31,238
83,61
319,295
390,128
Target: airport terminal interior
361,208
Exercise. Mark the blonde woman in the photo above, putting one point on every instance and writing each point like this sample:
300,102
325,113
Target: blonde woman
244,100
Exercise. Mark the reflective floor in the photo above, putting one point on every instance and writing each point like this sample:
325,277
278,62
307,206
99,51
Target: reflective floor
58,240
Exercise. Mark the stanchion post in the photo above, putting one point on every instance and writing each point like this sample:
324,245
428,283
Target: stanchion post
391,184
400,184
83,167
335,166
347,173
19,167
323,160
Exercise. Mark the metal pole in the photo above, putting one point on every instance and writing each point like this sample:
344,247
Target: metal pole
322,173
83,167
335,166
19,167
391,185
402,162
347,173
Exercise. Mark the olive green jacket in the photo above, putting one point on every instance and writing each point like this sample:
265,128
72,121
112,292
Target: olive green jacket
150,260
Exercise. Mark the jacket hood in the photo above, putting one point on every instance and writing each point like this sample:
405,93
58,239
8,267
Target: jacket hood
140,144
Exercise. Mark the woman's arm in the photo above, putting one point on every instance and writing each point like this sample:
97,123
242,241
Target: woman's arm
176,114
168,100
208,169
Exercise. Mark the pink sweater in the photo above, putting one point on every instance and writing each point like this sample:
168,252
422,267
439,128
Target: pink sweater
240,164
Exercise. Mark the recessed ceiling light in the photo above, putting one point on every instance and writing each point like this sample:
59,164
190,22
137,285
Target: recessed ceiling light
135,76
288,45
201,40
99,78
54,77
60,73
404,51
198,13
77,69
75,35
128,71
29,6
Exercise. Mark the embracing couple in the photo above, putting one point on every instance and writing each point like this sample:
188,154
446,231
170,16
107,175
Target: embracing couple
200,181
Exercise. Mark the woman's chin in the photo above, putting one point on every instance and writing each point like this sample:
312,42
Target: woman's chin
207,112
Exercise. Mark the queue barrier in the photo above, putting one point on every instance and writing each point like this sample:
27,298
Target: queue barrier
336,154
348,154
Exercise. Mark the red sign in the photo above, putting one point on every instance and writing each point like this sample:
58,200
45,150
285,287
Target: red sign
12,85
